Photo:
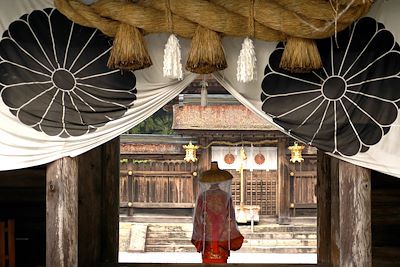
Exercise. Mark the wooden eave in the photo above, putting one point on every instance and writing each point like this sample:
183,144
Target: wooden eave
218,117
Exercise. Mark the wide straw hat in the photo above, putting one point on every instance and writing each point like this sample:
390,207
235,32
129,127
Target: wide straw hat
215,175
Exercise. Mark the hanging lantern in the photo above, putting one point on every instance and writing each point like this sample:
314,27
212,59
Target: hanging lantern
190,152
295,153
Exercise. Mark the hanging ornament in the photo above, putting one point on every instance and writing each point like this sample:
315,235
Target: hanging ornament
259,159
295,153
172,58
246,64
229,158
190,150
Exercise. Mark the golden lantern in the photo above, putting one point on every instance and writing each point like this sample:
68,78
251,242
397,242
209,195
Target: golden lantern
295,153
190,152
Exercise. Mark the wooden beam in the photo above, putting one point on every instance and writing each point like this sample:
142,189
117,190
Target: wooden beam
23,178
62,213
283,184
157,205
181,174
355,215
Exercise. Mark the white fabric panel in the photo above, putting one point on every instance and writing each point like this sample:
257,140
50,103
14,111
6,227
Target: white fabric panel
12,10
21,146
382,157
270,155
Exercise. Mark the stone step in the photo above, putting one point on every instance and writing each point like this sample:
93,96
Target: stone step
247,242
271,238
257,236
283,249
170,227
281,235
169,248
263,249
279,228
171,241
245,229
279,242
166,235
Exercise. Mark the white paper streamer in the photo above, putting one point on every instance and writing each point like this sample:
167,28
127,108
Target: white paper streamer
172,58
246,64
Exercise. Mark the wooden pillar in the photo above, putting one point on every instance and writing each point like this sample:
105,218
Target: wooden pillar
90,191
62,213
99,205
130,186
335,213
344,213
283,184
328,236
204,162
110,201
355,215
323,208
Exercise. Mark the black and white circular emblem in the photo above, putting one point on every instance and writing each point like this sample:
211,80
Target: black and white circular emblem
54,75
349,104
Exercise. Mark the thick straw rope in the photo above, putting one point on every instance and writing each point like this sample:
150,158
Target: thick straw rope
274,19
270,20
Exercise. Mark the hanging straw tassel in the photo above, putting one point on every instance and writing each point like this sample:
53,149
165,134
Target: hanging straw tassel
129,51
246,64
206,52
172,58
300,55
172,52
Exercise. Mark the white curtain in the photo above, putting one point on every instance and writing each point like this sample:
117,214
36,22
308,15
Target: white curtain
22,146
382,156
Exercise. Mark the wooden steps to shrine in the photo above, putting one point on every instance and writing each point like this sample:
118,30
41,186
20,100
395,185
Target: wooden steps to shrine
270,238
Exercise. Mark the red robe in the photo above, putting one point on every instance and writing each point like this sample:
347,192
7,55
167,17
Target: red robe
214,217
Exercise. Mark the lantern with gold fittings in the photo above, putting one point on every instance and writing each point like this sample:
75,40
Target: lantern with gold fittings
295,153
190,152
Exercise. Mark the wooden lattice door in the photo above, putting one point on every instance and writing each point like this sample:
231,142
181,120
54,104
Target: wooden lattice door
260,189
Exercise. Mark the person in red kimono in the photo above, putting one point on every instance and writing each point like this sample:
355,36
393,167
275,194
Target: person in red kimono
215,232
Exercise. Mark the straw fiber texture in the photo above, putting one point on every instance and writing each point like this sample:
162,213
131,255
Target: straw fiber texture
268,20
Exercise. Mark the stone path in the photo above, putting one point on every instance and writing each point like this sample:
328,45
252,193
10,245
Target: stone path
129,253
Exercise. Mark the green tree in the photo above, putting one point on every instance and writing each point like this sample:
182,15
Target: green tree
158,123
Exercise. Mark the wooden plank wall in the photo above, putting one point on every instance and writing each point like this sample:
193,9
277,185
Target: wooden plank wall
160,183
304,187
385,209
